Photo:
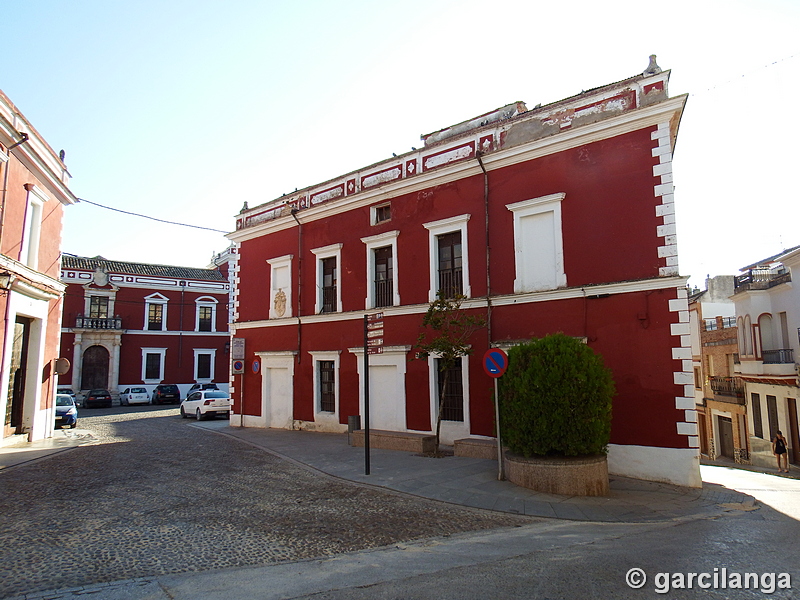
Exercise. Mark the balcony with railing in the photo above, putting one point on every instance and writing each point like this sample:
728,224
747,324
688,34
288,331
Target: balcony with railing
761,279
728,389
384,293
451,282
784,356
329,299
82,322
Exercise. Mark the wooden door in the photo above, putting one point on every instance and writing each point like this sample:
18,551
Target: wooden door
94,374
794,434
16,379
725,436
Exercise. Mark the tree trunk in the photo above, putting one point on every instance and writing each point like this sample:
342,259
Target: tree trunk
442,388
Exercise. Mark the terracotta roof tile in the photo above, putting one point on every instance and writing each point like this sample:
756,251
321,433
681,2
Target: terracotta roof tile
81,263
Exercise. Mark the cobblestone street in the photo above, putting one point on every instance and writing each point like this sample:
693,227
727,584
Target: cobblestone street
156,496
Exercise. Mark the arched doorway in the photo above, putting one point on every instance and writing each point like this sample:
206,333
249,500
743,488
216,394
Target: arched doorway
94,373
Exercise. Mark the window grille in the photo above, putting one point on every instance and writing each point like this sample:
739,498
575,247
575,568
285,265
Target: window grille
450,276
453,404
327,388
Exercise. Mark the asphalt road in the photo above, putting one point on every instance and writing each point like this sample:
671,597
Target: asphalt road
157,496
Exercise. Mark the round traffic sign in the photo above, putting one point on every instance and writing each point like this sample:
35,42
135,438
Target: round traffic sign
256,366
238,365
495,362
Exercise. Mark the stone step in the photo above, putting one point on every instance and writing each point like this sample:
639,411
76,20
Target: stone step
476,448
395,440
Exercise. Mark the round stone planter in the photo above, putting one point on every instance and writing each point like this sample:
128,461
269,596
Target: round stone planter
567,476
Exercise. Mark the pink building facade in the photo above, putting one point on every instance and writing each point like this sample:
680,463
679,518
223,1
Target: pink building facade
33,195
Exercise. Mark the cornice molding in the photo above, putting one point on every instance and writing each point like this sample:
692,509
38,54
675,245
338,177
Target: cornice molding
623,287
627,122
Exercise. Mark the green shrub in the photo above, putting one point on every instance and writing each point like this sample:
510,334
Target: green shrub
555,399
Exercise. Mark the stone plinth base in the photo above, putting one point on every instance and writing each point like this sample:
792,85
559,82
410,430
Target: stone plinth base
578,476
395,440
475,448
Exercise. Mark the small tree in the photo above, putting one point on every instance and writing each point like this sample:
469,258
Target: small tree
450,329
555,399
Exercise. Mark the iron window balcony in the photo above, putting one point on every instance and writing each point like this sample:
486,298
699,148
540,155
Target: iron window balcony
82,322
783,356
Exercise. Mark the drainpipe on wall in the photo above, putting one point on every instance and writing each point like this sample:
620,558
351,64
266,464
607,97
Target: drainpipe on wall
478,155
180,330
299,281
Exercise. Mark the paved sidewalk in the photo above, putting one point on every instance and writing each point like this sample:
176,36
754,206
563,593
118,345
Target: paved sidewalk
465,481
473,482
23,452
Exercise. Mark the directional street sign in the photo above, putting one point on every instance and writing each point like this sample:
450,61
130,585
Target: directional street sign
495,362
377,350
372,343
375,333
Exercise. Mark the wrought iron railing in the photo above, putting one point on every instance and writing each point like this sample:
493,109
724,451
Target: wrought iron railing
329,299
783,356
451,282
82,322
384,294
730,388
761,279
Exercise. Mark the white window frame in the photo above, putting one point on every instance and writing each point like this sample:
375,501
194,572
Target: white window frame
275,264
87,301
319,415
155,298
205,301
160,351
373,213
197,353
332,251
534,206
32,230
372,243
442,227
451,430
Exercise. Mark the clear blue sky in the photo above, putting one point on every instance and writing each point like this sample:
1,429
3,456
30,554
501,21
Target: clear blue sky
183,110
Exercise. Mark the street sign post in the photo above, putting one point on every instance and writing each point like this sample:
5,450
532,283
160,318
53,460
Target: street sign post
495,363
237,368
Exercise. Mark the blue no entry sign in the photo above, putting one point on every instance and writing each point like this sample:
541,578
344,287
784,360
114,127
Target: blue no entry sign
495,362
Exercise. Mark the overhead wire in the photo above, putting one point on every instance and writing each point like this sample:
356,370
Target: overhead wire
754,71
126,212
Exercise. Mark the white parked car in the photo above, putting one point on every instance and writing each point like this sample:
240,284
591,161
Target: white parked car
206,403
134,395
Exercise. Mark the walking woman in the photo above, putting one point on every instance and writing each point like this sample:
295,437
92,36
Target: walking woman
779,450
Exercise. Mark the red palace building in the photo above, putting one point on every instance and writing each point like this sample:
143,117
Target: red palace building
554,219
128,324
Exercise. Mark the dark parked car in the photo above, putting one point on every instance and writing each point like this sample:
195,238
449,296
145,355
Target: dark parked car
97,398
166,393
